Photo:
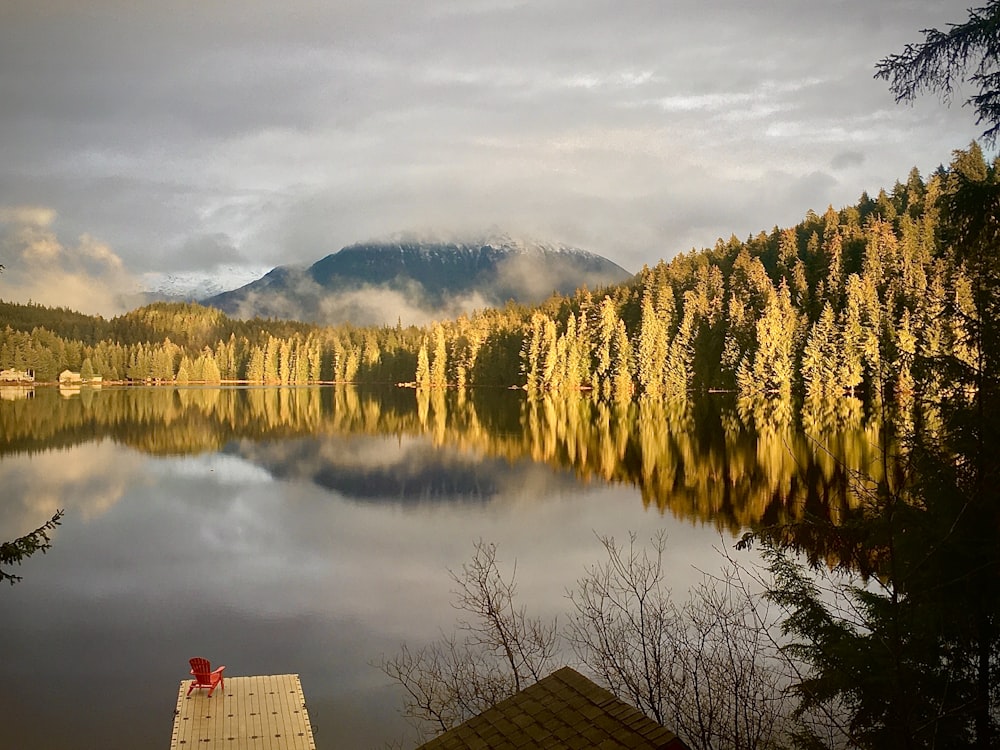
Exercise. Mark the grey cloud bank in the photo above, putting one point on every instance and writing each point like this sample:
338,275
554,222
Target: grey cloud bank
192,138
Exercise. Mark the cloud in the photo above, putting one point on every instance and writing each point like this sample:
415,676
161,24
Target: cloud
88,276
230,135
371,305
366,305
38,217
204,252
844,159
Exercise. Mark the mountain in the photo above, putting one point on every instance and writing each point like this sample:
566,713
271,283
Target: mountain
416,280
196,285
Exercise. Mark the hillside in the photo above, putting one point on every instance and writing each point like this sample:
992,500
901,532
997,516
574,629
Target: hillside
416,280
872,300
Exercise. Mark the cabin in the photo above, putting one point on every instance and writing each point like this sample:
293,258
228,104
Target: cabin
68,377
17,376
564,711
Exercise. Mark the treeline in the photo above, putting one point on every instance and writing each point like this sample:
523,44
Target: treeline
181,343
841,303
844,303
867,300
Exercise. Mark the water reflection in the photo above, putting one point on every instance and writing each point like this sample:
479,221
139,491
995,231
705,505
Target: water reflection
724,462
309,530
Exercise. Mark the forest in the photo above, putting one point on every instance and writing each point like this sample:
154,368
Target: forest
847,302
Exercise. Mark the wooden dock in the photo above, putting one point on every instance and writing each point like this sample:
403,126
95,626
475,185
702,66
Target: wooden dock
266,712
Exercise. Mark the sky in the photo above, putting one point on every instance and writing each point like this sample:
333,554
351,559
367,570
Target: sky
204,142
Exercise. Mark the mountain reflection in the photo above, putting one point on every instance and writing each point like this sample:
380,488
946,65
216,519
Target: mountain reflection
405,469
717,460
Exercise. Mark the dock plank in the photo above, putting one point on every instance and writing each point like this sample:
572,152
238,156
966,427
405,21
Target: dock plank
260,712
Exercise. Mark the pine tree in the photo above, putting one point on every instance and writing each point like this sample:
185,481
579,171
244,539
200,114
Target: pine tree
652,348
439,364
196,368
315,357
821,368
183,371
271,358
852,337
352,361
255,366
622,367
423,373
210,368
773,367
285,364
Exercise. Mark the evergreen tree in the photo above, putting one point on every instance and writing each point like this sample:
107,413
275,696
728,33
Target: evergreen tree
439,363
621,385
315,358
965,52
773,366
652,348
301,374
210,369
352,361
912,658
272,360
821,369
285,363
423,373
255,366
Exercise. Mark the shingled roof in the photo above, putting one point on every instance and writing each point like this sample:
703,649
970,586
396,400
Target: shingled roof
562,711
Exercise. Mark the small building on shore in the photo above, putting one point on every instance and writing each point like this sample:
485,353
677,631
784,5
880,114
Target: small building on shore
17,376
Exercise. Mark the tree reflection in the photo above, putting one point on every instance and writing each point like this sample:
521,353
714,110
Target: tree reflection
731,463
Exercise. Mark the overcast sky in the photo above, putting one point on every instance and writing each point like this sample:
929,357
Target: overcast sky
218,138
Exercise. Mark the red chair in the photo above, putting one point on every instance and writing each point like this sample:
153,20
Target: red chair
204,677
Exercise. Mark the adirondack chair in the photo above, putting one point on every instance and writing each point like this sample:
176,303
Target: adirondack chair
204,677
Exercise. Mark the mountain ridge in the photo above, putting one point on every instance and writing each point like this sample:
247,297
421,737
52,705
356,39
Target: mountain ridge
418,278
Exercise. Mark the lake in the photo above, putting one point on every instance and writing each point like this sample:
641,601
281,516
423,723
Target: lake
311,530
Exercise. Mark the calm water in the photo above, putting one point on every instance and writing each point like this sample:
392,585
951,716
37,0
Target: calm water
311,531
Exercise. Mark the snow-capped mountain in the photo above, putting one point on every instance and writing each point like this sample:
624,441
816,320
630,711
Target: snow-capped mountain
197,285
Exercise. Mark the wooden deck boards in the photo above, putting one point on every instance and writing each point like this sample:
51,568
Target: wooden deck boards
265,712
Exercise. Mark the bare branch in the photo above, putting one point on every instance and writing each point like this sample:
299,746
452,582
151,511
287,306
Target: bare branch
496,650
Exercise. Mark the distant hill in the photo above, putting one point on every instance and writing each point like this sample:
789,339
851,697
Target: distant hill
416,280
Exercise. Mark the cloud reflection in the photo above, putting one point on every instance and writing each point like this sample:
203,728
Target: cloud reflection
248,557
86,482
220,468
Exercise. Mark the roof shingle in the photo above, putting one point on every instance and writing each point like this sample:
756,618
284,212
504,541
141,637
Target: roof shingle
564,711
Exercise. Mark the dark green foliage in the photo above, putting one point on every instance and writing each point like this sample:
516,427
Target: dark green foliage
965,52
69,324
17,551
902,643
